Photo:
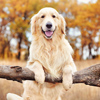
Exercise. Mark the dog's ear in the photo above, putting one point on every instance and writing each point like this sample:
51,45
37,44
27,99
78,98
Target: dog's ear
63,24
33,24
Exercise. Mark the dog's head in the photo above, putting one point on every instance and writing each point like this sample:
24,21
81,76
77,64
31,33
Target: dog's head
47,22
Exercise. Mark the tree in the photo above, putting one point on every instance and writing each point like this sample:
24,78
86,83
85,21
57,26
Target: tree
4,36
16,14
86,18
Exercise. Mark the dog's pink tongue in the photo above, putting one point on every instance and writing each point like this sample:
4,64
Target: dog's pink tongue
48,33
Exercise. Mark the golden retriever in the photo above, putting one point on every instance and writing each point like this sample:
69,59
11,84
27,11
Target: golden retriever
50,53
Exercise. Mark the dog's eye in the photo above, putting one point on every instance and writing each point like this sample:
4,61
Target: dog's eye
42,16
53,16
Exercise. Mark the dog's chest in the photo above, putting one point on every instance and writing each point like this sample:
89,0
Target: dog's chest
52,59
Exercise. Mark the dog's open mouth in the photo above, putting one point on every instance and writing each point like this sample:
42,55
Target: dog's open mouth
48,33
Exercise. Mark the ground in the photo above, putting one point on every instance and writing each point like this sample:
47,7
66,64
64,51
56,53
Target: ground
77,92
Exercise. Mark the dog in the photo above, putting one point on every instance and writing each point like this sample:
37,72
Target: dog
50,53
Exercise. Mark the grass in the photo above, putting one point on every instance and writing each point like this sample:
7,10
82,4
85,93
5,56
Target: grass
77,92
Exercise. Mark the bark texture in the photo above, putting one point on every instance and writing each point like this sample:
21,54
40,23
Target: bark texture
89,75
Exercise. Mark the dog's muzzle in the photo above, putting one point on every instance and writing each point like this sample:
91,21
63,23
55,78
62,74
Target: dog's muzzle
48,33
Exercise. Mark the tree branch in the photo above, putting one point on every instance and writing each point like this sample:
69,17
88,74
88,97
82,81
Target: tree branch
89,76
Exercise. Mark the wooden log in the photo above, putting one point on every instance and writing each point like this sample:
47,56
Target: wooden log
89,75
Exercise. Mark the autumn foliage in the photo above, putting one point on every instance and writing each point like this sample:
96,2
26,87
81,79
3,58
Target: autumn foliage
82,29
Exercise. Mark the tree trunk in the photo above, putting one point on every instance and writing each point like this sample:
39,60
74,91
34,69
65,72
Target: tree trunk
90,53
19,45
89,75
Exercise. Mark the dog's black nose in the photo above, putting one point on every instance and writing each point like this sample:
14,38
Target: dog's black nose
49,25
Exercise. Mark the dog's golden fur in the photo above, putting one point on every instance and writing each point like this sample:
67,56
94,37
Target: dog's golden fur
51,56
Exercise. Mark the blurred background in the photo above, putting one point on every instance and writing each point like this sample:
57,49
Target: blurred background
82,31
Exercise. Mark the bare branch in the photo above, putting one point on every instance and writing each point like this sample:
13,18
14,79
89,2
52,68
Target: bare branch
89,76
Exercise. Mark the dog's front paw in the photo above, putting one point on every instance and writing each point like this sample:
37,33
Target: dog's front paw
37,68
67,80
67,85
40,78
